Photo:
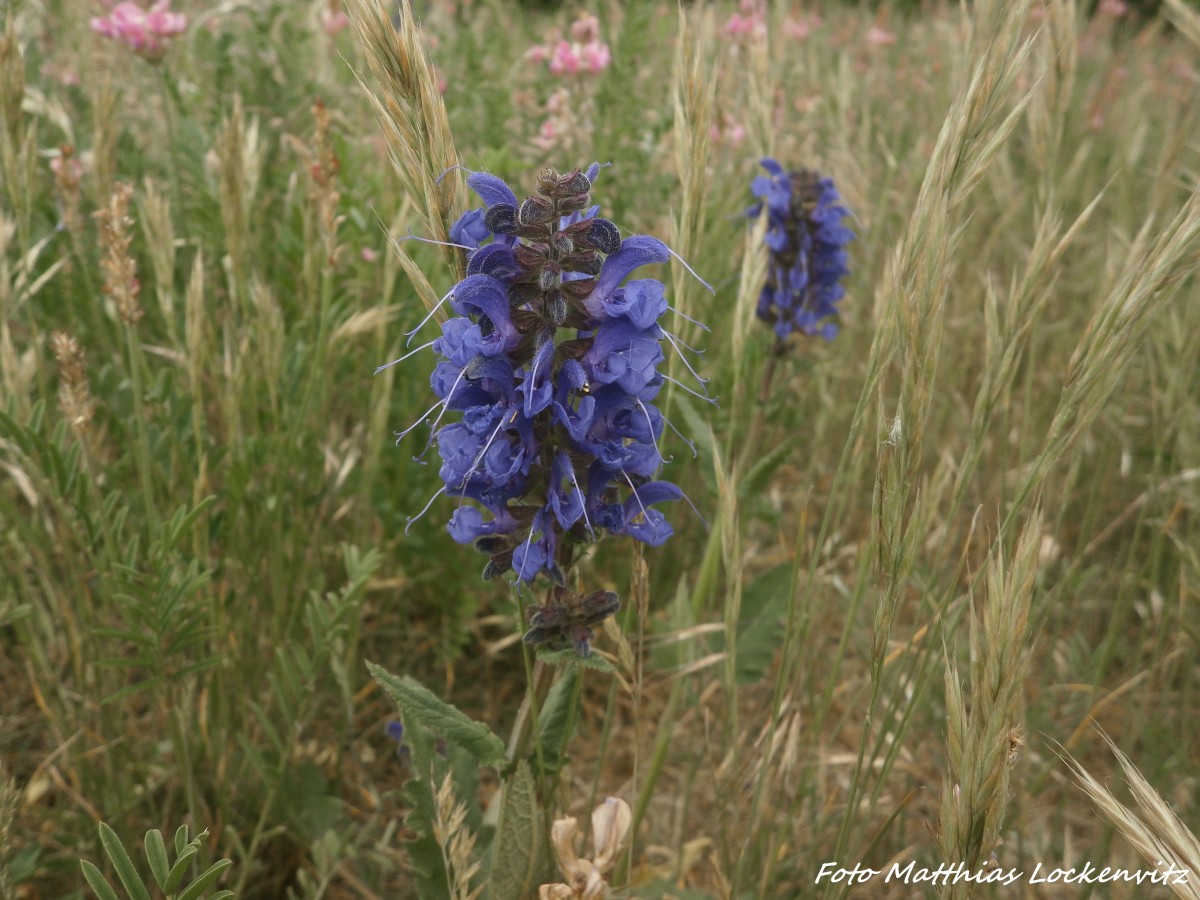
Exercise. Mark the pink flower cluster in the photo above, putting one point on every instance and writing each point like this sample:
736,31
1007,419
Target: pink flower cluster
586,54
749,22
143,30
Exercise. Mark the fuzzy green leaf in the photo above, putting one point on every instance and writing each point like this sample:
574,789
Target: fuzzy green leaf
418,702
515,849
156,855
210,875
760,629
97,881
756,480
571,659
123,864
556,723
181,866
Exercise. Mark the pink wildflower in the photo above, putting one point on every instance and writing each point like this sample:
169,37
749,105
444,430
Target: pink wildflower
333,20
586,29
143,31
880,37
369,255
751,27
1116,8
67,167
547,135
596,56
797,30
564,60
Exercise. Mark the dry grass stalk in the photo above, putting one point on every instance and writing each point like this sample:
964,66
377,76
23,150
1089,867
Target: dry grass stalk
68,173
12,84
104,140
984,727
321,166
413,116
10,804
1157,261
155,210
457,843
117,263
1186,19
693,89
239,156
74,394
1157,833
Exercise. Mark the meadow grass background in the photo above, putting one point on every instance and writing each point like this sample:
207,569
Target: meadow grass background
963,534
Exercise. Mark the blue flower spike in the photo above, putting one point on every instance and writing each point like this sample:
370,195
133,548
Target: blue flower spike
546,427
807,243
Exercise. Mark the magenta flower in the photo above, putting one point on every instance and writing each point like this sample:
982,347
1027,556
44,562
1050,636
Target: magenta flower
143,31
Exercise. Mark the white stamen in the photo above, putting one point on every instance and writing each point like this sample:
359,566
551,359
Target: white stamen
704,397
405,356
695,374
413,519
424,240
650,425
711,289
424,321
695,322
445,406
422,418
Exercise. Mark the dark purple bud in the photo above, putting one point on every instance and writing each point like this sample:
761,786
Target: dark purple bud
588,262
497,566
556,309
573,203
549,275
574,183
531,259
535,211
604,236
579,288
581,637
562,242
495,260
547,181
501,219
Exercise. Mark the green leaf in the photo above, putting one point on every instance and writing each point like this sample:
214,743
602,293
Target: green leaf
97,881
23,864
181,839
515,849
156,855
755,481
123,864
417,701
761,625
556,724
211,874
181,866
570,658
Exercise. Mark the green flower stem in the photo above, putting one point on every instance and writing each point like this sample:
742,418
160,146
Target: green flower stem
141,447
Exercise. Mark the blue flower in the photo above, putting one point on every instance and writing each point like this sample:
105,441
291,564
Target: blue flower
807,243
547,376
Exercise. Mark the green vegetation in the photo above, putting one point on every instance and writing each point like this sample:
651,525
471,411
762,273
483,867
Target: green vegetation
943,549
